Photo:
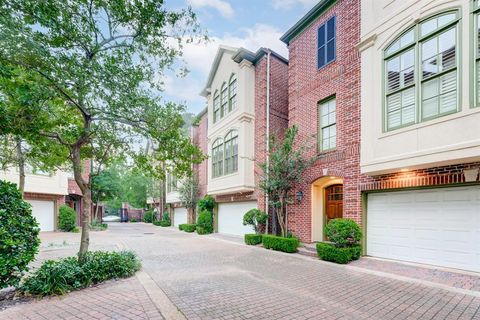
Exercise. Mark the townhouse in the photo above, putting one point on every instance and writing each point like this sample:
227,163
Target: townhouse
324,103
420,131
47,191
246,99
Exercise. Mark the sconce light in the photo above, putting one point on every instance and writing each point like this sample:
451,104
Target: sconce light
299,196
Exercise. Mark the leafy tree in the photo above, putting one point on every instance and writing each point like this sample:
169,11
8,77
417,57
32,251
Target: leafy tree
283,171
255,218
188,193
100,62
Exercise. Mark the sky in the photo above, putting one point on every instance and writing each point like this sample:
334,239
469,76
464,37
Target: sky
238,23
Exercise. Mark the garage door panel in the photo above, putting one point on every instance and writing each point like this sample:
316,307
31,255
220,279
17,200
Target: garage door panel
437,226
179,216
230,217
44,213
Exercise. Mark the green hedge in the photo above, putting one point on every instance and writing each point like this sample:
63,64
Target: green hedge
162,223
205,222
189,227
253,239
148,216
342,255
64,275
280,244
180,226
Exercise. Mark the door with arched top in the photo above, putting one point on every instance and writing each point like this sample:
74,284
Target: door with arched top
333,202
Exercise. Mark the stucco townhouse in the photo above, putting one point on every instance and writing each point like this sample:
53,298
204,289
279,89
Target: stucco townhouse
47,191
420,132
246,95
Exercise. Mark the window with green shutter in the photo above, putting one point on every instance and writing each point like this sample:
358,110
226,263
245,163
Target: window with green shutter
421,72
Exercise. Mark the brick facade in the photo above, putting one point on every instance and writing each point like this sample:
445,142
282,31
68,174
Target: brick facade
200,139
278,121
430,177
307,87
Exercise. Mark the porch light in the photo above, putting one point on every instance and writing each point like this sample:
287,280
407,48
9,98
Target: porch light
299,196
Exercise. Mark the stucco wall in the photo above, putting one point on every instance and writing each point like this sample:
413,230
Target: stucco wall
446,140
35,183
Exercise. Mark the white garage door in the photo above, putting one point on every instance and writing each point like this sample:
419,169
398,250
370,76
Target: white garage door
230,217
435,226
44,212
179,216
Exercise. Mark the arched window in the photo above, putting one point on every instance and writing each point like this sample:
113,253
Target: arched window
231,152
232,93
421,72
216,107
217,158
224,100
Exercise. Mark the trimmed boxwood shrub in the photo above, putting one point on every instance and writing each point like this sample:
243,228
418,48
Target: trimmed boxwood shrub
342,255
253,239
180,226
162,223
205,222
343,232
189,227
64,275
18,235
280,243
133,220
67,218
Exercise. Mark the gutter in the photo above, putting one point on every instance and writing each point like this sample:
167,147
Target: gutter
267,133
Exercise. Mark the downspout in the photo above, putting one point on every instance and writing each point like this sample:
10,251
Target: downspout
267,135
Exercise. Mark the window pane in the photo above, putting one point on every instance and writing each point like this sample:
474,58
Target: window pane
448,100
407,38
332,105
331,29
408,106
331,50
429,57
394,119
393,74
428,26
407,75
321,56
478,34
393,47
447,49
394,102
430,89
331,117
321,36
445,19
430,107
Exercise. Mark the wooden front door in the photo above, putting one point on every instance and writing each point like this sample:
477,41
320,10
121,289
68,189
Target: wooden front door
333,202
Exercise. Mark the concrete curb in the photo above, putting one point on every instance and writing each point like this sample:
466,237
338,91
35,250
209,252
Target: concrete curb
159,298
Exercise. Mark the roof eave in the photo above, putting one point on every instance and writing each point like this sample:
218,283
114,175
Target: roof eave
306,20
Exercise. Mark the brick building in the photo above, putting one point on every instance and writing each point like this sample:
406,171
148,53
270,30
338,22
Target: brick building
324,103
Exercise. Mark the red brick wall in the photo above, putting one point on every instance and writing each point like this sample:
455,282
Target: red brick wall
278,110
73,188
308,86
446,175
200,139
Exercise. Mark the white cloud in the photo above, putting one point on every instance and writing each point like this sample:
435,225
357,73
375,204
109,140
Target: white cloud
199,58
223,7
288,4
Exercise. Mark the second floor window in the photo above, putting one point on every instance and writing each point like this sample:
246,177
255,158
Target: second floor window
216,107
231,152
232,93
327,125
421,72
224,100
217,158
326,43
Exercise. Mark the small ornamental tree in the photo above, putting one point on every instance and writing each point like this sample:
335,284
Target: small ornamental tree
188,193
18,235
287,162
255,218
206,203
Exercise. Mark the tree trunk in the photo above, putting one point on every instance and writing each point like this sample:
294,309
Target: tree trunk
21,165
86,202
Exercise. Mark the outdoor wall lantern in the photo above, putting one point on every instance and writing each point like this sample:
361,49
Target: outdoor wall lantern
299,196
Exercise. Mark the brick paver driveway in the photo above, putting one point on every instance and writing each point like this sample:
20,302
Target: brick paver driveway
207,278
